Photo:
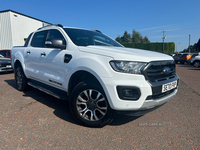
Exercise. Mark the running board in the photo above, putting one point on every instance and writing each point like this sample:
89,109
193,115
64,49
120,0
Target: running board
49,90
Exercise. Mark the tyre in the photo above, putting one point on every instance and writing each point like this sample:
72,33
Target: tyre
89,105
21,80
197,64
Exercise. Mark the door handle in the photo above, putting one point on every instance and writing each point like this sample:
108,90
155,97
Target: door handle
43,54
28,52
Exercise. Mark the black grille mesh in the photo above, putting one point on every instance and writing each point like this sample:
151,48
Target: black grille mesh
154,71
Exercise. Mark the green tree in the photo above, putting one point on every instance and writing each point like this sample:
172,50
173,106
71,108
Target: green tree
146,40
136,37
126,38
119,39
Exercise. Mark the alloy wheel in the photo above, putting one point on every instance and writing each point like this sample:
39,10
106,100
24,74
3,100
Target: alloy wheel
91,105
196,64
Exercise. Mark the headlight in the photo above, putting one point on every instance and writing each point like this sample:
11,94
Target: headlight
128,66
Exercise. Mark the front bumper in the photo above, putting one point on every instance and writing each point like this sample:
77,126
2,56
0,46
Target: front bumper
4,69
148,106
146,89
138,112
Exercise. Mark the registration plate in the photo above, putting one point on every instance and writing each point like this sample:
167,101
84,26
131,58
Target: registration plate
169,86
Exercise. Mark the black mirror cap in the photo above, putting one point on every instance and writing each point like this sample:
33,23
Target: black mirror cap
55,43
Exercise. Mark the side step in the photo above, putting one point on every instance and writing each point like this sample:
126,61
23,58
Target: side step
49,90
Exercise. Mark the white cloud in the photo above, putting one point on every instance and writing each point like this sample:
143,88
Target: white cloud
152,28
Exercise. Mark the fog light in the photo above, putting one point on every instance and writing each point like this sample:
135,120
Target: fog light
128,93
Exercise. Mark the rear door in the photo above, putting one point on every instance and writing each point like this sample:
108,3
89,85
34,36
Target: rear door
33,55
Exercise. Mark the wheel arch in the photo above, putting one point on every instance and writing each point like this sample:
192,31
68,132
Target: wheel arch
18,61
80,76
83,75
196,61
17,64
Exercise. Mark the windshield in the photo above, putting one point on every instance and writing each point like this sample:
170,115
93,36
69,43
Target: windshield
82,37
5,53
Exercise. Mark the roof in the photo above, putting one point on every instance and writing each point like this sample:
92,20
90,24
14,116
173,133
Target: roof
9,10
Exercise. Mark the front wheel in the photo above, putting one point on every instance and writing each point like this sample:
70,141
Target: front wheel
89,105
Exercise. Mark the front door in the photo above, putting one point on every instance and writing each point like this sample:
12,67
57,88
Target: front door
52,62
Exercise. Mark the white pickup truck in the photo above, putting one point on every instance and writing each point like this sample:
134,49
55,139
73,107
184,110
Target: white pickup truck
96,74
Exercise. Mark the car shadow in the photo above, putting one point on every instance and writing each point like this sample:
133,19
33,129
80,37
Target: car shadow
122,119
6,72
194,69
61,107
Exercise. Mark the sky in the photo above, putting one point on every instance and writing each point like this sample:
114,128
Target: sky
178,18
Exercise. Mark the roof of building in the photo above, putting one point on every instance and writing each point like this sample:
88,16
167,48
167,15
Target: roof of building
23,15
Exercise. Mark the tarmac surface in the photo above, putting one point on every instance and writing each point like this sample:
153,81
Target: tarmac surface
35,120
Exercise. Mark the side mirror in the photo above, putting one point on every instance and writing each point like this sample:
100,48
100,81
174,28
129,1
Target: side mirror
55,43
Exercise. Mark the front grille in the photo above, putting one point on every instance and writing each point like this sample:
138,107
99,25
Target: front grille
159,71
4,64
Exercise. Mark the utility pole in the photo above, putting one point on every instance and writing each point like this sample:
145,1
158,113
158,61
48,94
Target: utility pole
176,47
164,37
189,43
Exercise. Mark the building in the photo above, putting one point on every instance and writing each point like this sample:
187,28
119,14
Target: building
15,28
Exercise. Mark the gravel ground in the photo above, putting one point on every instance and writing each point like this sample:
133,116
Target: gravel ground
35,120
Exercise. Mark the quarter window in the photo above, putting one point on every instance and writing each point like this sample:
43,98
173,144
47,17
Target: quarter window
55,34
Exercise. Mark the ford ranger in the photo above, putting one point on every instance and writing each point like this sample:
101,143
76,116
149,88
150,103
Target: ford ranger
98,76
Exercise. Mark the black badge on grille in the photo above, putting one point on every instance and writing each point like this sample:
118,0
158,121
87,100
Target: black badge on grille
167,70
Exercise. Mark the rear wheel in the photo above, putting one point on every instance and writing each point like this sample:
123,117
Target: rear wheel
21,80
197,64
89,105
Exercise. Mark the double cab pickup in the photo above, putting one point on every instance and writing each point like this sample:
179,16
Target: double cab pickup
98,76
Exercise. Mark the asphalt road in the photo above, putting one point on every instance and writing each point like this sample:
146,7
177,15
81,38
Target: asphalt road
35,120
